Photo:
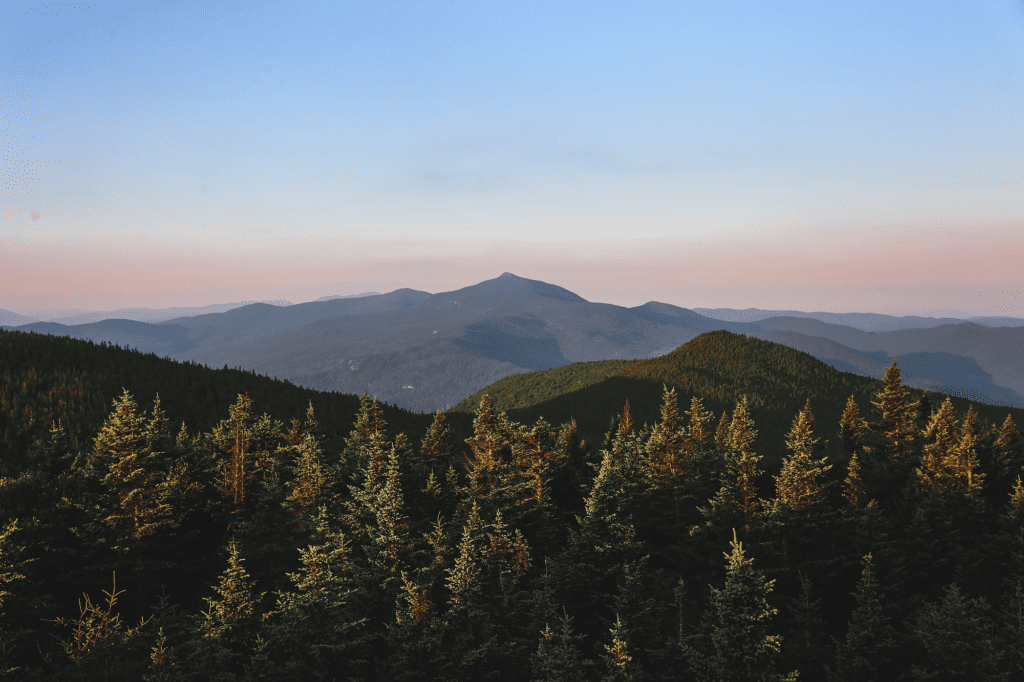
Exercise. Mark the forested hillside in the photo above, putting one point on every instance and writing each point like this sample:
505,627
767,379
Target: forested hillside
199,537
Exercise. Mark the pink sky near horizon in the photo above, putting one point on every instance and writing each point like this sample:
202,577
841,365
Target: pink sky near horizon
845,157
959,270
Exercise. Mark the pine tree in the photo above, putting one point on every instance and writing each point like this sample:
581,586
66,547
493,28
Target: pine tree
798,486
722,433
390,531
936,461
733,643
969,479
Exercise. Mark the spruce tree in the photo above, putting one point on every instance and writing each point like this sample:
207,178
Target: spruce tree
853,489
667,444
896,415
957,640
313,633
867,654
737,496
851,428
619,663
799,485
733,643
135,501
559,656
310,482
1007,448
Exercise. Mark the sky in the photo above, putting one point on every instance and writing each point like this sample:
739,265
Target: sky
850,157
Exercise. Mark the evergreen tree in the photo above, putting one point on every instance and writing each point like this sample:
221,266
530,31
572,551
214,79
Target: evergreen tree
310,482
619,663
438,447
244,445
851,428
232,619
950,461
733,643
314,634
737,496
667,444
135,503
895,425
699,435
868,652
1007,449
957,639
559,656
853,488
100,645
799,485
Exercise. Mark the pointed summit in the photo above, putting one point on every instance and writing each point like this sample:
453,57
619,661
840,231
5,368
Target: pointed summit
506,282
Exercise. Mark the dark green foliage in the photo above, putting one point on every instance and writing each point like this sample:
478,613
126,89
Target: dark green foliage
498,543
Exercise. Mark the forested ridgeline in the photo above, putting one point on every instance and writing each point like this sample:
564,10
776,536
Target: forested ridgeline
44,379
669,550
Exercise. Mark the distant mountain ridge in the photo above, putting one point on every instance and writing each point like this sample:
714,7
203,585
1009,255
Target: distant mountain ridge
425,351
870,322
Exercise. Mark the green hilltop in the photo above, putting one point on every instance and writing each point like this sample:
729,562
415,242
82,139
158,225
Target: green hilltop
720,367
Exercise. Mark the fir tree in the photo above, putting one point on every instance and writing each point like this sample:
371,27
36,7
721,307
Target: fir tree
799,485
619,663
310,482
100,643
851,428
698,432
232,618
895,424
867,653
733,644
950,461
1007,454
135,504
738,494
559,656
314,634
438,445
853,488
667,444
956,636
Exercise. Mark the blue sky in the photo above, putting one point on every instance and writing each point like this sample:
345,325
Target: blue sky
187,153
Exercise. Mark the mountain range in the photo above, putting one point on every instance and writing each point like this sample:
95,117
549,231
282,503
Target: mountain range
425,352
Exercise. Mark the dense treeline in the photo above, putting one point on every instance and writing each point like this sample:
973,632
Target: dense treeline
674,549
46,378
721,368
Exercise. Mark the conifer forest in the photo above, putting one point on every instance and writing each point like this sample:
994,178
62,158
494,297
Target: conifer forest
732,511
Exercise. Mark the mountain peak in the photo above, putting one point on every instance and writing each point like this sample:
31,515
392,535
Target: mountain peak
508,275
